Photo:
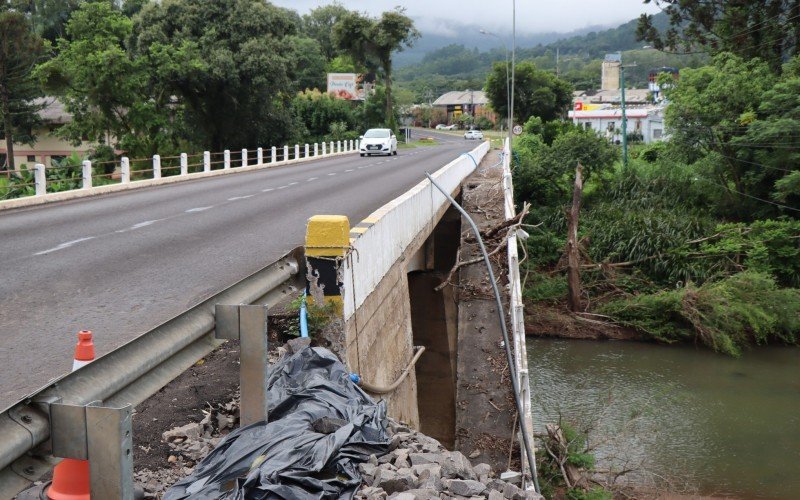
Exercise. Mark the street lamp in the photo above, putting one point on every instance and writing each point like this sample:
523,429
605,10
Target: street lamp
508,82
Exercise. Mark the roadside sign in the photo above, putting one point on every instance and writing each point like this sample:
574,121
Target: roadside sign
517,129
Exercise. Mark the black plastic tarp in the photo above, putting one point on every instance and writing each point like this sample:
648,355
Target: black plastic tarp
321,426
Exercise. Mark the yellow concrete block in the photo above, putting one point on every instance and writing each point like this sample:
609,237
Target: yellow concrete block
327,236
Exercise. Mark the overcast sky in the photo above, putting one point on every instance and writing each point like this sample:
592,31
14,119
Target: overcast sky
533,16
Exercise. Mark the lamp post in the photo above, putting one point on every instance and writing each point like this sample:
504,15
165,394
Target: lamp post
508,81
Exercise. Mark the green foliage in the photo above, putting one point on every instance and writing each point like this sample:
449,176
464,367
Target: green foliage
317,316
317,112
536,92
545,288
318,24
725,315
596,493
20,50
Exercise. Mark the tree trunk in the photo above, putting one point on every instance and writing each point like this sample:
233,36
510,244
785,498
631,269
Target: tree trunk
573,253
387,68
7,125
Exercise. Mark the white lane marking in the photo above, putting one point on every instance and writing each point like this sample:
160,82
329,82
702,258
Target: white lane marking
349,170
312,179
293,183
332,173
240,197
360,168
198,209
64,245
266,190
282,187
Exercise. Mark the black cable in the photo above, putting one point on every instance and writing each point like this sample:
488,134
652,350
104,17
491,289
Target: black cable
501,314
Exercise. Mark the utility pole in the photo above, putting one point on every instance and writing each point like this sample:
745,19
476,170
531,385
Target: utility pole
513,61
624,112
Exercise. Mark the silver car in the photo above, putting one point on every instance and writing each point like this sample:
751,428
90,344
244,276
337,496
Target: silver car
473,134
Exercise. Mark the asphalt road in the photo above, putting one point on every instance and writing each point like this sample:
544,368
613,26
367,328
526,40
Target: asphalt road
123,263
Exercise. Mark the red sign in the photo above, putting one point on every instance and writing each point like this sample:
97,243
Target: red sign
578,106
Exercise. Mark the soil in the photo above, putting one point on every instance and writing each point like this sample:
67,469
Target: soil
556,321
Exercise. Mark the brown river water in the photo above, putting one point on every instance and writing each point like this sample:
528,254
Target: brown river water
721,425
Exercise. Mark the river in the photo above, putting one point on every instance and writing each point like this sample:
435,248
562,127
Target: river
722,425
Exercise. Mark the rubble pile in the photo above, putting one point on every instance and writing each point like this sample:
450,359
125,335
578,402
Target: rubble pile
189,444
418,467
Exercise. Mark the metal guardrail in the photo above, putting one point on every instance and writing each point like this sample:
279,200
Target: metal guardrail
131,373
515,303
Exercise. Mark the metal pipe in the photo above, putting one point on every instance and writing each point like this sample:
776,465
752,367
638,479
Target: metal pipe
376,389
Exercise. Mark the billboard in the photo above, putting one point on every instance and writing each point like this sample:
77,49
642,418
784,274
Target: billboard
343,86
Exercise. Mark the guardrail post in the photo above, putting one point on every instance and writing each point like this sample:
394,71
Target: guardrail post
324,149
259,156
206,161
244,157
226,156
296,151
338,146
87,174
40,179
358,144
156,166
274,152
125,170
351,144
286,153
332,149
184,164
248,324
327,239
316,149
306,151
101,435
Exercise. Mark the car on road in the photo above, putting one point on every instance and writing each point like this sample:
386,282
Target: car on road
378,141
473,134
442,126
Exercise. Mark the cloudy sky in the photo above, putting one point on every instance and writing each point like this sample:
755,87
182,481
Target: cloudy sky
533,16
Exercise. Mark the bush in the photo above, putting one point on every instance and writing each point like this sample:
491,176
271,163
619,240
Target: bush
544,288
727,315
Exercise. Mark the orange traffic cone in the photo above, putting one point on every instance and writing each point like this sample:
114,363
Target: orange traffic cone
70,476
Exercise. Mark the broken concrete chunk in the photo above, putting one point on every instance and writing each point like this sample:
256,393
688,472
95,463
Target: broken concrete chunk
466,488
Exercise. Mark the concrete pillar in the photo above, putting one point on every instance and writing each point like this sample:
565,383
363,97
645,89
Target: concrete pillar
206,161
259,156
358,144
244,157
306,151
87,174
285,153
274,152
352,143
125,168
40,179
327,237
296,151
324,149
338,146
226,156
316,149
332,149
156,166
184,164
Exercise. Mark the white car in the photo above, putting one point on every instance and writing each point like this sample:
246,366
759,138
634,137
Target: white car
473,134
376,141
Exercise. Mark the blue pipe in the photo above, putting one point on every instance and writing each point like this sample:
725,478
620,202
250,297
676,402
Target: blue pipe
303,317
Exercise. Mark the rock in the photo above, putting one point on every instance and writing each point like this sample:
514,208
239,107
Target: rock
416,494
511,492
395,482
455,465
482,469
372,493
190,431
511,476
495,495
475,454
425,458
327,425
172,459
373,460
297,344
401,459
433,469
466,488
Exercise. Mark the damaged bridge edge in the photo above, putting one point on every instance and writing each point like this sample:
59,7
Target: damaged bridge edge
516,315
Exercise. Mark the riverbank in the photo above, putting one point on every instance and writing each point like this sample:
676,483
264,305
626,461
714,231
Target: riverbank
555,321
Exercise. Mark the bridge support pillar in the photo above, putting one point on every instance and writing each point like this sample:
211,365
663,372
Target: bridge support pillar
327,242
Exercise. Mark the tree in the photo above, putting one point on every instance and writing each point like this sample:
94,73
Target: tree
20,50
536,92
374,40
107,89
318,24
231,63
768,29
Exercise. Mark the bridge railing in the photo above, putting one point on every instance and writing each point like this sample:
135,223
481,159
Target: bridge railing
128,375
63,182
517,318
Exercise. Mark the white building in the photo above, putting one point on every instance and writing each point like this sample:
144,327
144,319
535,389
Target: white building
607,121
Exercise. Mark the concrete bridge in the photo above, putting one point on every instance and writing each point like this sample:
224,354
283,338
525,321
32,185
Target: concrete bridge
383,271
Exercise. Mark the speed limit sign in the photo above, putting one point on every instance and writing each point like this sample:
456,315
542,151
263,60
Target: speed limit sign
517,129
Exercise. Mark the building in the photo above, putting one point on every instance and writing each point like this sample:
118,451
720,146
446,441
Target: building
48,146
610,79
607,121
460,102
